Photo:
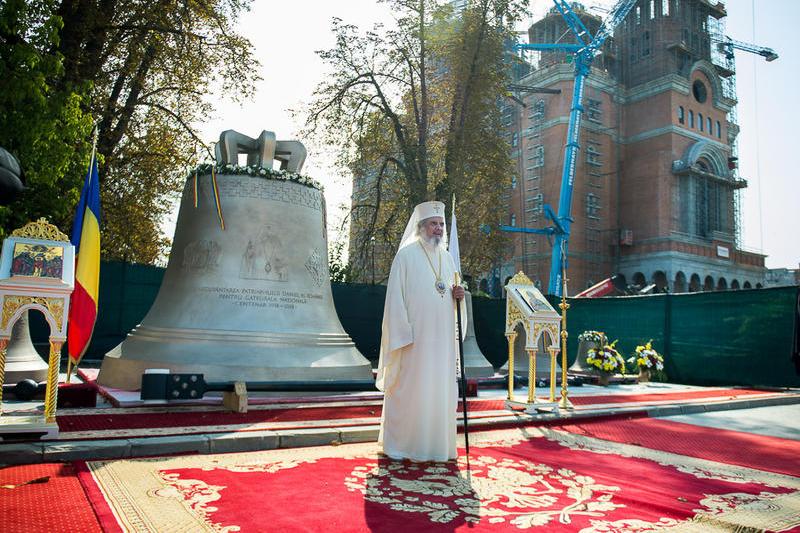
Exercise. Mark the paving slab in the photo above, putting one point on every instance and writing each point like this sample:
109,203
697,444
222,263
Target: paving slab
151,446
359,434
16,453
298,438
95,449
246,441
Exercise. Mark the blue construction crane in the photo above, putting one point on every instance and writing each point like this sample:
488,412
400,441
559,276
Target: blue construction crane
584,52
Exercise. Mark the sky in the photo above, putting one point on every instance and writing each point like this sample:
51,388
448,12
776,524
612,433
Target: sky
286,36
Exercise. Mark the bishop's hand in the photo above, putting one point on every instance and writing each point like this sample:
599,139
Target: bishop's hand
458,292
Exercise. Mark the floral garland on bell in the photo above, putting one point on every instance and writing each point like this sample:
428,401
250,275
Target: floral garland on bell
647,358
606,359
259,172
591,335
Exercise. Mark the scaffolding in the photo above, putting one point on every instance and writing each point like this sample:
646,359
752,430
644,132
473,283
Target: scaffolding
726,61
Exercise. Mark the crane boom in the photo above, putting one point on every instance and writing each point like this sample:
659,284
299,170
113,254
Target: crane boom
585,50
727,45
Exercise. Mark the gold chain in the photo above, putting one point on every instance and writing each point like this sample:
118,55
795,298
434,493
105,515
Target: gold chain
439,275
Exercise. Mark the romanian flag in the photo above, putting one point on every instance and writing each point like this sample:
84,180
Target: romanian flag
86,239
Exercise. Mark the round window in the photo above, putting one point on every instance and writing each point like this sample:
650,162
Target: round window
699,91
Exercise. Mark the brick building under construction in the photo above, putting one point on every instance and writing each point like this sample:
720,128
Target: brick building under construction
655,194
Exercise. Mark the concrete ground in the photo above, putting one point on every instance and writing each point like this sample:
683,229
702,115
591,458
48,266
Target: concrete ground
776,421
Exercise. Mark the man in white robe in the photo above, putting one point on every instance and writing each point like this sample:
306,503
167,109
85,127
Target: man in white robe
417,367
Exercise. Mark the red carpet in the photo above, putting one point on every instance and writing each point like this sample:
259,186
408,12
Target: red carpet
188,418
58,504
720,394
762,452
519,479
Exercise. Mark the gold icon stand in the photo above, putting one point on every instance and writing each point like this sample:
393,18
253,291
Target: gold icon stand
526,306
36,272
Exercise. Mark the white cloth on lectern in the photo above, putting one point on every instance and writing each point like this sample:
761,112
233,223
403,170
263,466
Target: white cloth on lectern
417,368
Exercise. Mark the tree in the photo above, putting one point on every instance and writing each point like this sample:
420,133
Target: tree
152,64
142,71
413,113
43,122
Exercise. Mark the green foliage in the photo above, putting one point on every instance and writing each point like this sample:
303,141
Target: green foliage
340,272
152,66
43,122
142,71
413,113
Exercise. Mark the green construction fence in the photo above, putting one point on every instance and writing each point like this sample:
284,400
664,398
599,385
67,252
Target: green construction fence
742,337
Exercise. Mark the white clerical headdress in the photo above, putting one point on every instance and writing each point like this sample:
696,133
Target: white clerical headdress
421,212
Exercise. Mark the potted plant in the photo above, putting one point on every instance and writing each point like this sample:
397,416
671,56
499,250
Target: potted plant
647,360
607,361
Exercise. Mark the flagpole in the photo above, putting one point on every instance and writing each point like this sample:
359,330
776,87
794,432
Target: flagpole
95,135
463,373
456,254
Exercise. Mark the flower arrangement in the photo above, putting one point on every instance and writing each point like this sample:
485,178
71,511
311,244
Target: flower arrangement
596,337
259,172
647,358
606,359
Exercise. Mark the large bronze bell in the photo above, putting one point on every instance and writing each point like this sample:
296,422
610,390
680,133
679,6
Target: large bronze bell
251,302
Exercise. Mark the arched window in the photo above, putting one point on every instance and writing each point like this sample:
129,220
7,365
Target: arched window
679,285
719,130
700,121
513,220
691,118
708,124
660,279
708,285
694,283
681,115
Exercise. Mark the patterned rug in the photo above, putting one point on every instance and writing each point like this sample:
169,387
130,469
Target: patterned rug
538,479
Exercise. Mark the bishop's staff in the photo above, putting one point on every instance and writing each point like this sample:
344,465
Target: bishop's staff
454,253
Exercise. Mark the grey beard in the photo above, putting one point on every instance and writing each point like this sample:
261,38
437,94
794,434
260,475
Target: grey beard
433,241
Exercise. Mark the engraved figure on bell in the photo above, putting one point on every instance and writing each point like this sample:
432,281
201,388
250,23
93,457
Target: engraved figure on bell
264,257
201,255
248,268
315,267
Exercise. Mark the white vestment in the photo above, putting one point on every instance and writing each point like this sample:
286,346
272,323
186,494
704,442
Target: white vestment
417,368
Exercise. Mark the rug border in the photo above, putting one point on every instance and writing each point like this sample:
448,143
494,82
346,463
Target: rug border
97,499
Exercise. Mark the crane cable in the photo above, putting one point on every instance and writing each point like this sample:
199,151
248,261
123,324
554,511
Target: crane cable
755,113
